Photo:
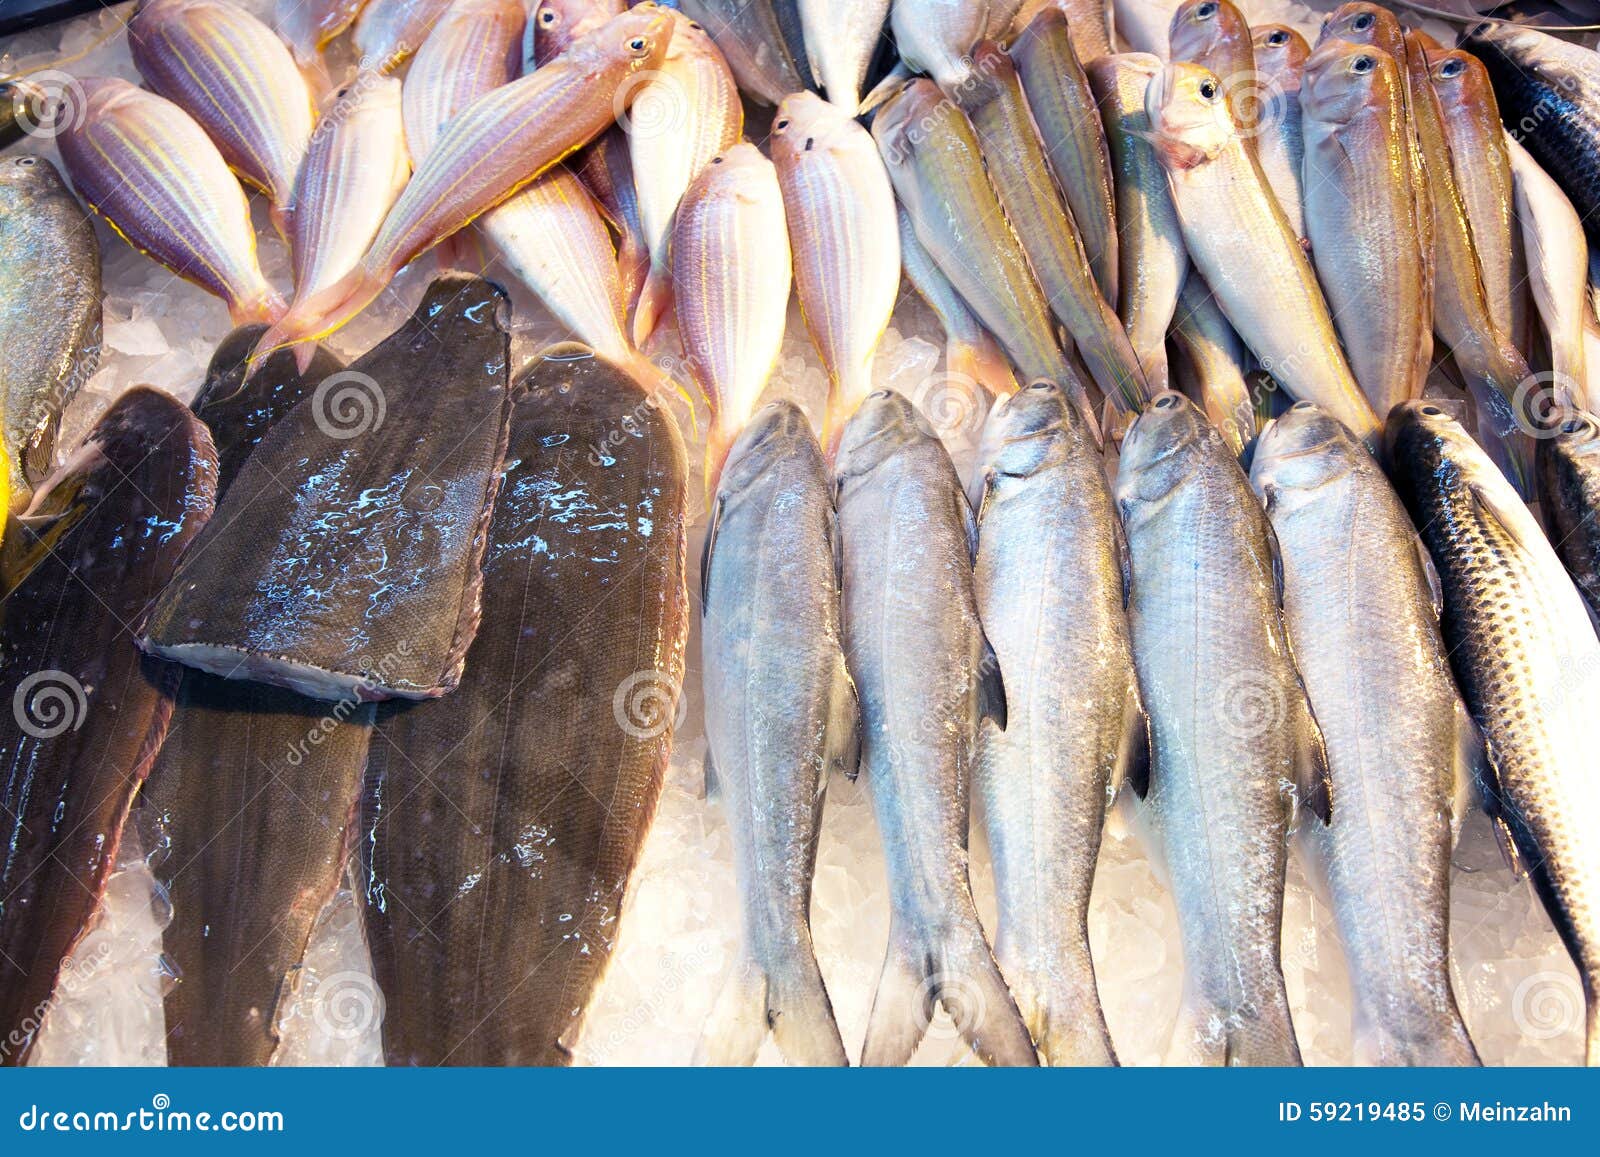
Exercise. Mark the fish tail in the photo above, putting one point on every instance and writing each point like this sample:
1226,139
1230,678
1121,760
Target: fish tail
655,300
633,265
1207,1033
1156,372
315,317
654,381
791,1003
983,362
1447,1045
280,216
1501,434
844,399
263,306
1061,1007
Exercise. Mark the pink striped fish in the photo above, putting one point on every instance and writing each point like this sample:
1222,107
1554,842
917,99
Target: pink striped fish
391,30
557,23
473,50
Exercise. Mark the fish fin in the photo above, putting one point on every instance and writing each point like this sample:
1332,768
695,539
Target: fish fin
1430,575
1491,795
991,687
983,362
896,79
320,314
653,380
1313,780
1060,1004
1508,848
263,307
1517,522
794,1007
718,445
1124,559
1208,1034
655,300
1133,758
844,722
714,523
1471,769
984,484
1506,443
710,786
38,457
738,1022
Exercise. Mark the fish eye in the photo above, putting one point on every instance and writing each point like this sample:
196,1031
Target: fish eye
1165,403
1208,89
548,17
1362,65
1452,68
1302,406
1431,411
695,26
1041,384
717,160
781,125
1363,21
1277,37
27,162
638,45
5,87
1206,11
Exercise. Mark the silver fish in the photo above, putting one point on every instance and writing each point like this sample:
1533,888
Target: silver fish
1280,54
842,36
1558,268
1213,364
750,34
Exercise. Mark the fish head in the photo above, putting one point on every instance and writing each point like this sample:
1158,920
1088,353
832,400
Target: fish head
1036,428
909,118
1189,118
740,172
936,37
805,123
1280,52
369,95
1343,78
1158,452
778,432
1302,450
885,423
689,38
25,178
638,39
1422,441
556,24
1200,27
1459,79
990,76
1362,24
1578,435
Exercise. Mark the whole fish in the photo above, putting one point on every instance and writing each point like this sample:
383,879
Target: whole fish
1525,657
355,168
1212,366
1215,35
1090,19
24,107
1558,268
731,277
971,355
682,115
388,31
770,636
1360,217
1063,109
1239,239
751,37
1143,24
926,677
842,37
840,208
555,24
307,25
1049,582
1548,91
232,74
1569,495
469,53
49,313
153,174
87,710
1016,164
495,885
936,37
936,165
361,579
1150,253
486,153
1280,55
1230,728
1359,600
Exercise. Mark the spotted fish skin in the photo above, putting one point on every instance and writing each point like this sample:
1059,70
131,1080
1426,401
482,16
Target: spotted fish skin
142,164
1569,492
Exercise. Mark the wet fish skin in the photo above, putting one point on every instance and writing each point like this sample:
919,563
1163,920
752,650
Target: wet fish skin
1211,370
751,37
1151,256
1063,109
1143,24
843,232
555,24
1215,35
1240,241
23,106
937,37
1048,540
1525,658
141,163
1569,495
468,54
93,710
49,313
1229,725
1280,55
921,666
780,714
1360,217
388,31
232,74
307,25
1090,20
606,171
1558,269
841,38
1360,611
584,607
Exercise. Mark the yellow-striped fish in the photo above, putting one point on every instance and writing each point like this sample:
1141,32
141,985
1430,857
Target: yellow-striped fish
468,54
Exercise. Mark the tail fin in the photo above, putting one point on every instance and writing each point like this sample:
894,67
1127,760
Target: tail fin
983,362
1446,1045
1060,1004
633,264
924,969
1209,1034
318,315
655,299
280,216
264,306
794,1006
653,380
844,398
1502,434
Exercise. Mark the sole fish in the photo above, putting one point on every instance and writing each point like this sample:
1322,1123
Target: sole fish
770,636
88,710
925,676
1280,55
494,883
1048,539
1359,603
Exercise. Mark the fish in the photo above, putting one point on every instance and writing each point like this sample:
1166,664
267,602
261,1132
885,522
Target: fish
972,358
731,276
1361,220
143,165
1558,269
925,676
1213,363
1525,656
1280,55
1240,241
468,54
751,37
307,25
1063,108
491,149
842,37
555,24
353,172
545,765
1143,25
1215,35
1151,258
362,578
232,74
936,37
24,107
843,232
1548,93
389,31
254,790
1360,605
936,166
88,711
770,635
1569,495
1230,729
1048,539
606,171
683,114
1091,23
50,317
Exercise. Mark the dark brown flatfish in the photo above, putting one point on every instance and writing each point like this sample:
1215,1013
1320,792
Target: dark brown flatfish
359,574
82,712
500,826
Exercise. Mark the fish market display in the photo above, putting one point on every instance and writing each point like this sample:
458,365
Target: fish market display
750,34
140,162
1359,598
1213,364
229,72
1524,656
841,37
50,316
307,25
468,54
88,710
1214,35
771,636
1280,56
1558,268
493,887
840,210
926,676
1050,586
361,579
1229,726
1569,490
